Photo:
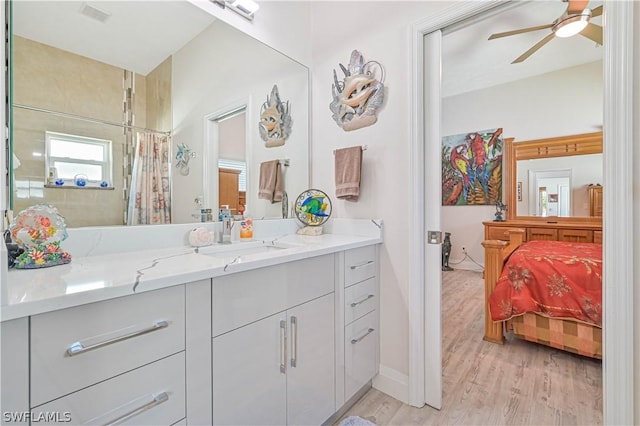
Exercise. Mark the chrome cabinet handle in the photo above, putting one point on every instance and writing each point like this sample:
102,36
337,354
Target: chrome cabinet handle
354,304
283,346
360,265
354,341
294,341
78,348
157,400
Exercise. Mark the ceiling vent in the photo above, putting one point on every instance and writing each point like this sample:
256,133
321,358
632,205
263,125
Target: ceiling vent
94,13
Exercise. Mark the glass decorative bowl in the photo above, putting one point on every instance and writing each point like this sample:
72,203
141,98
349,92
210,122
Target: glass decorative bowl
80,180
313,207
39,230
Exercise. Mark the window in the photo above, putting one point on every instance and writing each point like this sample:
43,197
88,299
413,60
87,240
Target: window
236,165
69,156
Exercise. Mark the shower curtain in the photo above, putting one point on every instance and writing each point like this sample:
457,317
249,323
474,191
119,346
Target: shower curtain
149,195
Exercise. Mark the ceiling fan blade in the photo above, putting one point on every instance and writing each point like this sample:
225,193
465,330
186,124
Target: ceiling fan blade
533,50
596,12
520,31
593,32
577,6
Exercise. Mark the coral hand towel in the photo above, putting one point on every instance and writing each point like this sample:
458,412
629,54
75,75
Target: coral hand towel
271,182
348,170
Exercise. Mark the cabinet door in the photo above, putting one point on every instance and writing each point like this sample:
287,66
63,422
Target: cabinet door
249,385
311,366
595,201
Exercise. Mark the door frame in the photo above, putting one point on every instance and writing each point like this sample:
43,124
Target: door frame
618,327
211,149
534,187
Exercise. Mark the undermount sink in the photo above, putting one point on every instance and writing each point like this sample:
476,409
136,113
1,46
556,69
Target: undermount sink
242,249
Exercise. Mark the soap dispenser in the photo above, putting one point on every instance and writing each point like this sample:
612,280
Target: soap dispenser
246,227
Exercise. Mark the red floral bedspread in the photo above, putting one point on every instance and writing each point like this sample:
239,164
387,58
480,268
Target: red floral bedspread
556,278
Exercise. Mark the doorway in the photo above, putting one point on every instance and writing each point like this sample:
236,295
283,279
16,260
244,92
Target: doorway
618,126
225,159
549,192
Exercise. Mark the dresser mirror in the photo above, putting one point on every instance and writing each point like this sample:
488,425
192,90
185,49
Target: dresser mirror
554,177
102,72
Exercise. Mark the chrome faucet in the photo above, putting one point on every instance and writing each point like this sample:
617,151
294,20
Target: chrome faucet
225,235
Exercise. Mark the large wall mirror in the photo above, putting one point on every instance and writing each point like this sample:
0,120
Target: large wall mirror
555,177
88,79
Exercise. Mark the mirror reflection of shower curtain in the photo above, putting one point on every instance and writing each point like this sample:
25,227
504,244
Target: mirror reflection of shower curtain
149,195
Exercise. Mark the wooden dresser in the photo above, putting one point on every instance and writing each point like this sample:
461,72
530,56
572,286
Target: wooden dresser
560,230
595,200
228,189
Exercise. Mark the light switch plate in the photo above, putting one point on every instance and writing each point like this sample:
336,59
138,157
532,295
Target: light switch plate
434,237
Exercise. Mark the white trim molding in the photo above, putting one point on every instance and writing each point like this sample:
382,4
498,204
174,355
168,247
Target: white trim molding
4,162
393,383
211,149
422,332
618,259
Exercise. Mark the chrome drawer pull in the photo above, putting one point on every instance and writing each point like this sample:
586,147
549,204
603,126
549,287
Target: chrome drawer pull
157,400
283,347
78,348
354,304
294,343
354,341
360,265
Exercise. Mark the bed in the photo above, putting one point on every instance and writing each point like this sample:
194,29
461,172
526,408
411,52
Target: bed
547,292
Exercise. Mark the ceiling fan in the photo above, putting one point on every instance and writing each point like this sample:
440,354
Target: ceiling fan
574,20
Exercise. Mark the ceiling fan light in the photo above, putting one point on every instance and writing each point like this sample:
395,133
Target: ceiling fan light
572,25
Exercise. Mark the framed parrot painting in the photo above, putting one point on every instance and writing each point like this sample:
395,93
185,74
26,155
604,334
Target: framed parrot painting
472,168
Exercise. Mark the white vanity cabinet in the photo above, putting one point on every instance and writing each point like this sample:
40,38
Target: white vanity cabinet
273,345
361,326
288,343
115,361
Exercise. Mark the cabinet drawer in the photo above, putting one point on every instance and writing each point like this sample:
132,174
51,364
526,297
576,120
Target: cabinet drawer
149,395
575,235
245,297
597,237
542,234
361,353
360,299
359,264
117,335
502,232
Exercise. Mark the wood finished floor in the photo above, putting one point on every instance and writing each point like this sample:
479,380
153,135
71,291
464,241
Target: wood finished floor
518,383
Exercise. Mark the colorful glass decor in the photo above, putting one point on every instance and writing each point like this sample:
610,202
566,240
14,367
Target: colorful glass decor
39,230
313,207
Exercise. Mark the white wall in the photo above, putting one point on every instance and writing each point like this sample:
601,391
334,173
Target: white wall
232,133
380,31
283,25
636,208
203,83
555,104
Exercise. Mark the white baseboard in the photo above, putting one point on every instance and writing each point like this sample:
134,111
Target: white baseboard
393,383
